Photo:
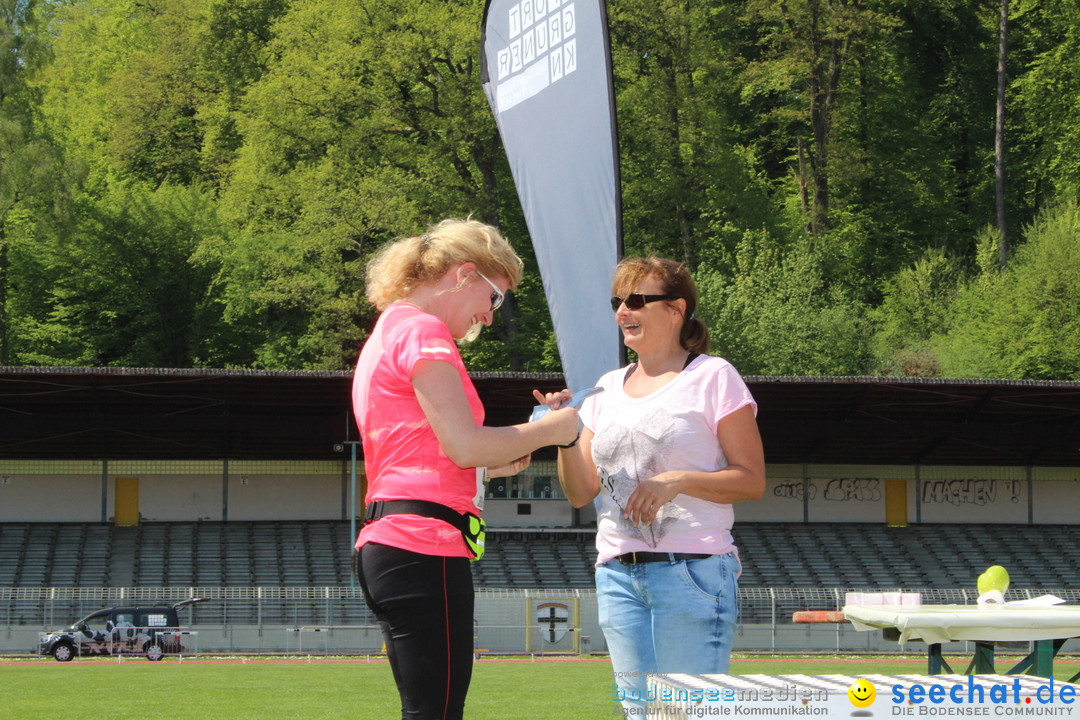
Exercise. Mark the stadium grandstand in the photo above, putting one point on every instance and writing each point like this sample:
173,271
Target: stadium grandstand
244,488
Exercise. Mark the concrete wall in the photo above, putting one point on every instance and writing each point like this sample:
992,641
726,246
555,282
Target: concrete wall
185,491
51,498
986,495
42,491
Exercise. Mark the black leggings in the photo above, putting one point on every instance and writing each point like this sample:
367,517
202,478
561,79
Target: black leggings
424,604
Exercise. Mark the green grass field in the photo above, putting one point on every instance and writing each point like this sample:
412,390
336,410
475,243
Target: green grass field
563,689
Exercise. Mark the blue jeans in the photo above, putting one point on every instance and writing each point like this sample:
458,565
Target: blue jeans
667,617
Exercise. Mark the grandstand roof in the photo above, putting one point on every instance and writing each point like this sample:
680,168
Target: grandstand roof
119,413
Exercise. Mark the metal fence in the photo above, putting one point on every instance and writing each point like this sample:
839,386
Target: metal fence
334,619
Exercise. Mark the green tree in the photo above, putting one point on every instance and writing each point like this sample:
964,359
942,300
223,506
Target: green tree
370,115
875,120
32,172
917,307
778,315
804,52
283,305
369,123
152,90
1022,322
914,141
810,160
93,40
233,54
682,168
1046,128
127,291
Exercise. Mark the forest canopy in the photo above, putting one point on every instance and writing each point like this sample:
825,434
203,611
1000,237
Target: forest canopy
198,183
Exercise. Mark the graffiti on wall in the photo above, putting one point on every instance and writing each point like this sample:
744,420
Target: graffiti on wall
967,491
853,490
836,490
970,491
793,490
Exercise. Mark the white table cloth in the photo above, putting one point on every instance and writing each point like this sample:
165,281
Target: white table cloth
945,623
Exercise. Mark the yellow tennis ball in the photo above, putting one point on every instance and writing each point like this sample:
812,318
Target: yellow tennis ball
995,578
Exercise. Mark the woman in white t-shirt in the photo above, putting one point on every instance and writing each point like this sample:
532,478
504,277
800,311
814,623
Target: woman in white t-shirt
668,446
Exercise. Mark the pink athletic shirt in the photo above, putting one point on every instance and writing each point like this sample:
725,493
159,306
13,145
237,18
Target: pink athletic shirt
402,456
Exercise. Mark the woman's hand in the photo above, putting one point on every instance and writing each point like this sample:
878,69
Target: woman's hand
553,400
742,478
556,401
649,496
565,424
511,468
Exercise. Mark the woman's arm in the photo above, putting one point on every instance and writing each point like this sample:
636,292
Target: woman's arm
511,468
577,473
742,479
442,398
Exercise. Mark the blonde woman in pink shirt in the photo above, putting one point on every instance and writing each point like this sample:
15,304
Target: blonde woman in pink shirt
427,452
668,447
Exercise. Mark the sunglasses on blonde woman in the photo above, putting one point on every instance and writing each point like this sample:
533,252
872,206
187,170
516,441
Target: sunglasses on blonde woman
497,295
636,301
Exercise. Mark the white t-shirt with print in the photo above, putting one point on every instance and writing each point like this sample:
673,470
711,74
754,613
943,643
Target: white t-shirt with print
673,428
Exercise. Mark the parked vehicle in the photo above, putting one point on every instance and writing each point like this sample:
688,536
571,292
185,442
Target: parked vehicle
150,630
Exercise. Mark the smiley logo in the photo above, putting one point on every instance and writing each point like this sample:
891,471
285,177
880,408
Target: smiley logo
862,693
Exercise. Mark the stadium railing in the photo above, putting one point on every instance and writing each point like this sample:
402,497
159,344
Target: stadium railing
256,619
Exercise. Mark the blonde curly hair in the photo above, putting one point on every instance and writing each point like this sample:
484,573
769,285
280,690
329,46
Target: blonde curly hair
410,262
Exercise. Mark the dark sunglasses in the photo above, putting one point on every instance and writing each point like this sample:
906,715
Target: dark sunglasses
636,301
497,295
